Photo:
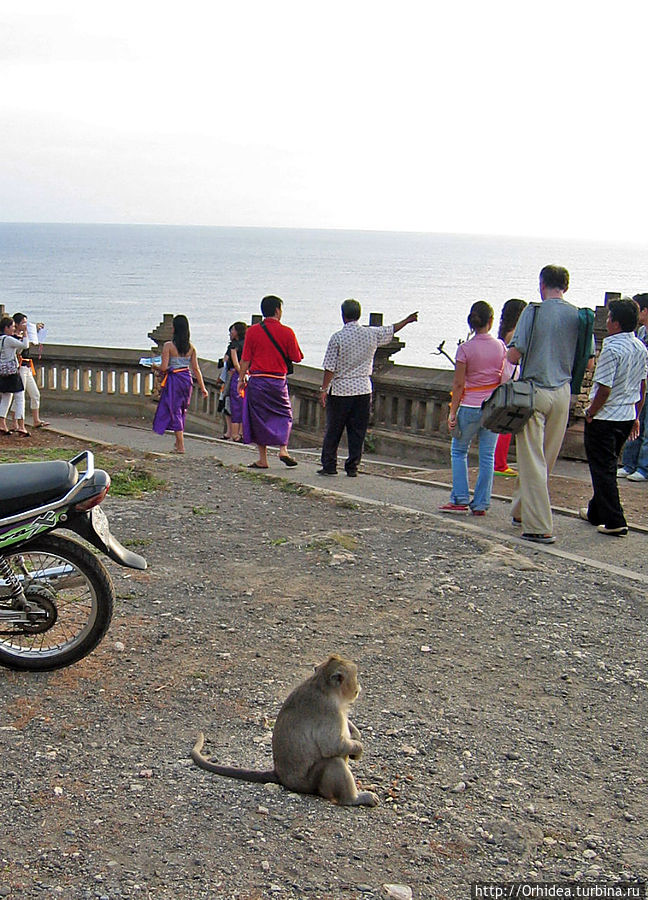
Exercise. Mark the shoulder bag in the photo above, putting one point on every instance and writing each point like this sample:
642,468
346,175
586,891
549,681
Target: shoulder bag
7,366
510,406
289,365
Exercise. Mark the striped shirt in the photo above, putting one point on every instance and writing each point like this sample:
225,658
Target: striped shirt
622,366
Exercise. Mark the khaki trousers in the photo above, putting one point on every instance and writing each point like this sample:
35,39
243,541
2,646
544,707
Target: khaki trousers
537,447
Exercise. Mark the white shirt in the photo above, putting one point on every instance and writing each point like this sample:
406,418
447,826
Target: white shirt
621,366
350,354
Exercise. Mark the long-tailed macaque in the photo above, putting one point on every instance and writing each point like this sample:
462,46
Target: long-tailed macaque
312,740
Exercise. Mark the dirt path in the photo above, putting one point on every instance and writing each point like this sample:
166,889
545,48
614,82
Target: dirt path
503,711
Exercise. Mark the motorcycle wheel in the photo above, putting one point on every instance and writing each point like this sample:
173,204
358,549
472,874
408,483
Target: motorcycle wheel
74,588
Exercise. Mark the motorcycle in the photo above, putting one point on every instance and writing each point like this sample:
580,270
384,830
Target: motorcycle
56,596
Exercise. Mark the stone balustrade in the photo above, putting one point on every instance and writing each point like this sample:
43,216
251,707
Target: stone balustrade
409,416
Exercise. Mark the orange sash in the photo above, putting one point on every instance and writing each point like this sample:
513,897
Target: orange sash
170,371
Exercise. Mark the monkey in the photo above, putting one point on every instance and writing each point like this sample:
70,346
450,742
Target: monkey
312,739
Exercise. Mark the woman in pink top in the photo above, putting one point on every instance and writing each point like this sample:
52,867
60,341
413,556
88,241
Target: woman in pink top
478,371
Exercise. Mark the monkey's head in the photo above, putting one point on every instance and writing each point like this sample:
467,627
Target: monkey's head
340,676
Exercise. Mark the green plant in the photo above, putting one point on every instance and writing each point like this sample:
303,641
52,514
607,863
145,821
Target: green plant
369,443
133,481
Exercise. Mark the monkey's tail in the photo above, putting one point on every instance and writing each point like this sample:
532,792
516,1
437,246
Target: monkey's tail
254,775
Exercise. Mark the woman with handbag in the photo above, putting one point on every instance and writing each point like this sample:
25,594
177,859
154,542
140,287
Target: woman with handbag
478,371
11,386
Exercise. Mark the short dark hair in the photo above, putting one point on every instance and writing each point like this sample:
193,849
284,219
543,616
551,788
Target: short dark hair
625,311
5,322
351,310
555,277
19,317
481,313
270,305
641,300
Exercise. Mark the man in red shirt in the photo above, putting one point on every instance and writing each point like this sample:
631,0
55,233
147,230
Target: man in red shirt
268,350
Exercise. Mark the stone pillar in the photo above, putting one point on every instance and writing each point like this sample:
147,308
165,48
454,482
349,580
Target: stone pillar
162,334
381,359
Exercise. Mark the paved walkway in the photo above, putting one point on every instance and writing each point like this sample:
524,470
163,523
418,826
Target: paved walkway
389,485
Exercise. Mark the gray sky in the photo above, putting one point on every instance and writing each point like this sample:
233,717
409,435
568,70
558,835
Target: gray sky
500,117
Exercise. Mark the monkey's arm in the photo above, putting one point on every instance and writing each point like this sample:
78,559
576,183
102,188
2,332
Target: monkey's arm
355,734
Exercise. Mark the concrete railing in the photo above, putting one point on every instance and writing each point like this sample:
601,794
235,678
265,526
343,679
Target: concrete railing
409,415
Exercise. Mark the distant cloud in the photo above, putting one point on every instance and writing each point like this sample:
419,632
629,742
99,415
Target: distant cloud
30,39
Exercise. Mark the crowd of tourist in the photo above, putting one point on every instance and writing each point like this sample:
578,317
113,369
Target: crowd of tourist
544,340
540,339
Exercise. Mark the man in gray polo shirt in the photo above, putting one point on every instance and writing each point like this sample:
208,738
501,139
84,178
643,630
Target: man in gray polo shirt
548,361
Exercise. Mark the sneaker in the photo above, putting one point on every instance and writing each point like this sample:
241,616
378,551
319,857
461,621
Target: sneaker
326,472
478,512
623,472
516,522
582,512
352,473
508,472
615,532
539,538
636,476
454,508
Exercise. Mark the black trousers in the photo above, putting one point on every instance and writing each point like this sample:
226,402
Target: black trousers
603,443
351,413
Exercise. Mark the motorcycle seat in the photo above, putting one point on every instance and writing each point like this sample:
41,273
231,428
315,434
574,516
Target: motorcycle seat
25,486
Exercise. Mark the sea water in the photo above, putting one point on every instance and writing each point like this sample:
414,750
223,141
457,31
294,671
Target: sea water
109,285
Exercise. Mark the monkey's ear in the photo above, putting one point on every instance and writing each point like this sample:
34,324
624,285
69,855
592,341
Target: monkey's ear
337,677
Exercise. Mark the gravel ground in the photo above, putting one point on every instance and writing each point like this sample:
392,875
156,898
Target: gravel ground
504,710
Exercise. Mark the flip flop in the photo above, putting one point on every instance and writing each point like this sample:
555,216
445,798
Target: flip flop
5,432
255,465
288,461
23,434
41,425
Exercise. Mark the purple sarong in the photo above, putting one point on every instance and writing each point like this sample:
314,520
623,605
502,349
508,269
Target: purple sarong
267,414
174,401
236,402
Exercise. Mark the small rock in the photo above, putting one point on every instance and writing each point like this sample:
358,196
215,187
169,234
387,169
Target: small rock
119,647
398,891
459,787
589,854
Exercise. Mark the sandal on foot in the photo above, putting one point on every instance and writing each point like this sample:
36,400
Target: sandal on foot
23,433
288,461
41,425
256,465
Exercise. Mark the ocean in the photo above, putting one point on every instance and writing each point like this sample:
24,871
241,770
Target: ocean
109,285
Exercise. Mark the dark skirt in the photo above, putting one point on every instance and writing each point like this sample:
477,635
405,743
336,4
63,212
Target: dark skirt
236,402
11,384
267,414
174,402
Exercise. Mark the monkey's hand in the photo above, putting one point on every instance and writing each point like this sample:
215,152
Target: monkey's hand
353,731
356,750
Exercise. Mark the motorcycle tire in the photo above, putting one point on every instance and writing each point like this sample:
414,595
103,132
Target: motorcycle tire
68,581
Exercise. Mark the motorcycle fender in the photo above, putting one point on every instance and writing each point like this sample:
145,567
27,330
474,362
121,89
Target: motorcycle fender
93,526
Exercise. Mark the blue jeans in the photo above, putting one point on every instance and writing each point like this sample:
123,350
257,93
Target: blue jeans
635,453
468,427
